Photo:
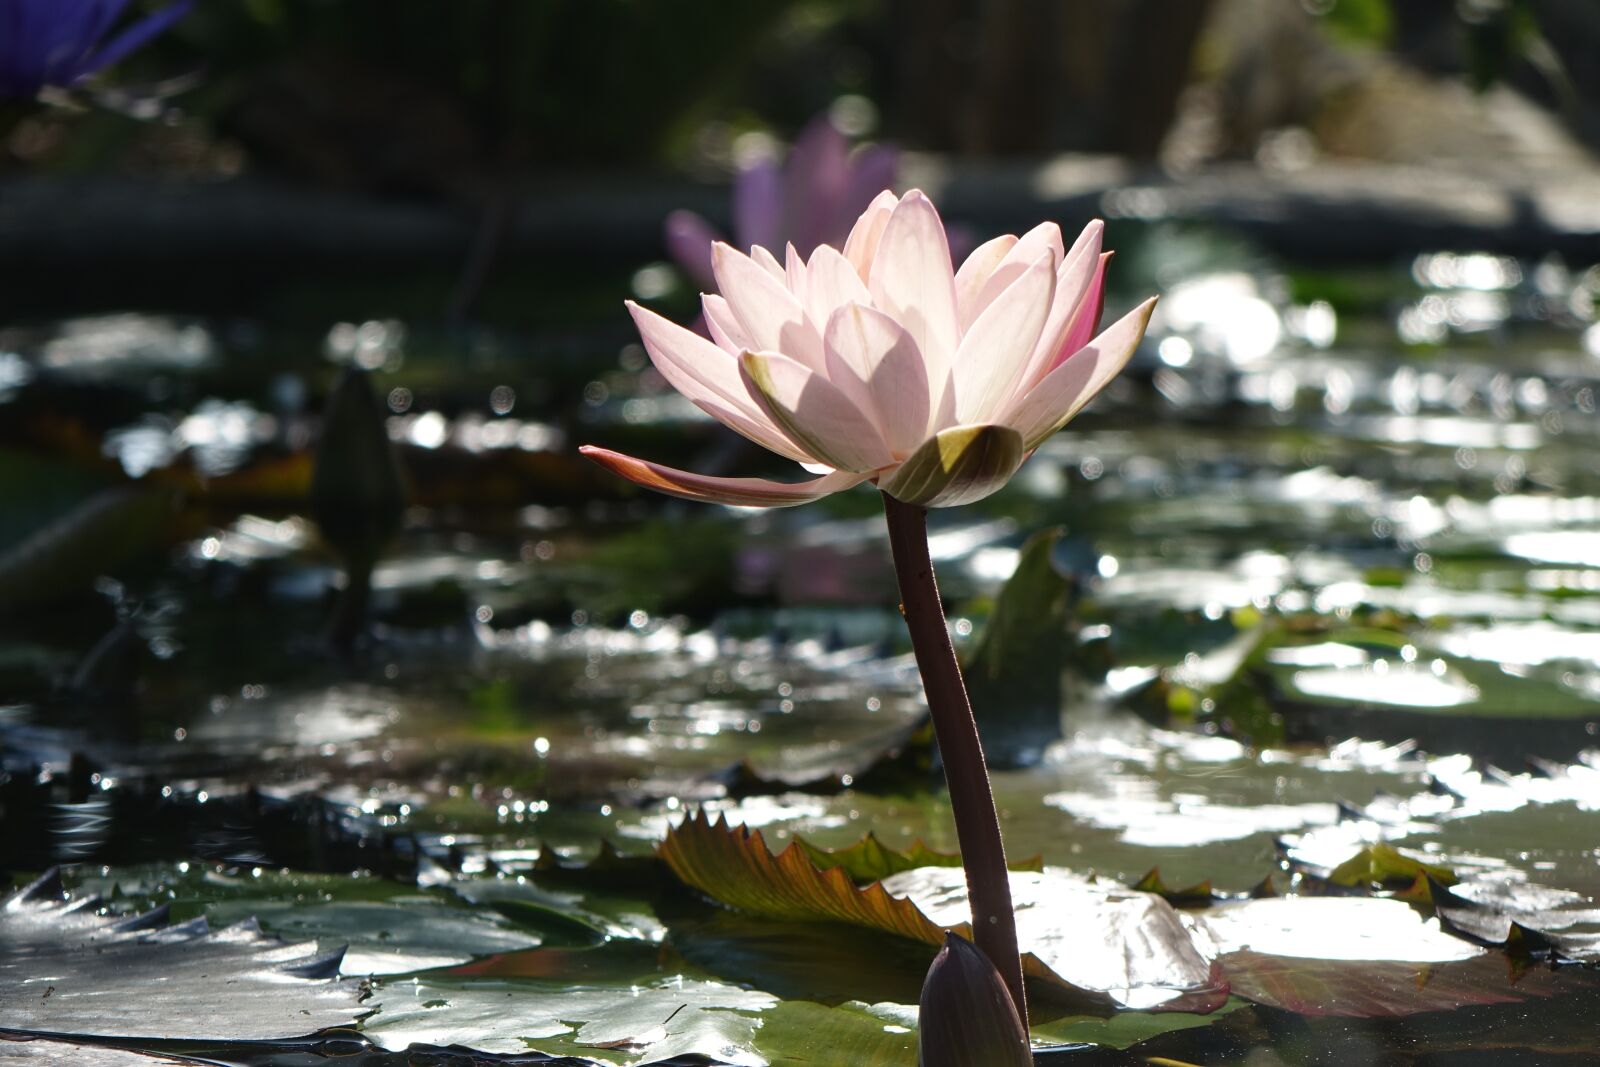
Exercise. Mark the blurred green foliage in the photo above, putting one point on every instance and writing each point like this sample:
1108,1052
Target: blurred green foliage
1369,22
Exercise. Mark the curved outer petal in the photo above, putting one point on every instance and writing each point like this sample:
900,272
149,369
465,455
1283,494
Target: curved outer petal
874,362
862,245
957,466
742,492
814,412
772,317
1086,320
975,272
709,377
996,349
1052,403
912,281
1074,282
689,238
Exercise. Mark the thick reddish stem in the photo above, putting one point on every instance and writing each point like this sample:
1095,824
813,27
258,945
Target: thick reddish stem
983,854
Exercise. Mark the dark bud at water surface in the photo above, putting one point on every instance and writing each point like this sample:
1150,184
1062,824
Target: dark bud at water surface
966,1018
358,491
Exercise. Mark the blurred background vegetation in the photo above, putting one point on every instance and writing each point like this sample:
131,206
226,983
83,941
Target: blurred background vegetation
427,99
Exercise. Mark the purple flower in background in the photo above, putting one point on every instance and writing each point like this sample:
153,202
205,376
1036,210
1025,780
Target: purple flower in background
58,43
812,200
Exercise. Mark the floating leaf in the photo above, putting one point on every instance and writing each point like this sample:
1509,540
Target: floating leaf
1199,894
69,970
870,860
673,1015
1379,988
1385,866
803,1033
1102,947
1358,956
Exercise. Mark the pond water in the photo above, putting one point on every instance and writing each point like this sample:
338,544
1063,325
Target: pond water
1327,578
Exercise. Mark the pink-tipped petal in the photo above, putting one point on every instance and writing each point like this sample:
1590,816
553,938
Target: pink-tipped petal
758,205
1073,284
874,361
814,413
771,315
974,274
831,283
740,492
1052,403
1086,320
996,348
913,282
726,329
862,245
689,239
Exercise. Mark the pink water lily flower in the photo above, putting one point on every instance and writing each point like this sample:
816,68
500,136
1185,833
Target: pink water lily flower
881,363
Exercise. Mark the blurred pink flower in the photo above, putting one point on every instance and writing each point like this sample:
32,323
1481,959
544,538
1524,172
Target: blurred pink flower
882,363
811,201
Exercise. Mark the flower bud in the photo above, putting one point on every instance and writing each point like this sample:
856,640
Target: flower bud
966,1018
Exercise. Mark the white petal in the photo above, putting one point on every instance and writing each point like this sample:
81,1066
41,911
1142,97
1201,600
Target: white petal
772,317
874,361
794,273
760,255
912,281
1043,238
831,283
974,273
1074,282
814,413
862,244
993,353
726,329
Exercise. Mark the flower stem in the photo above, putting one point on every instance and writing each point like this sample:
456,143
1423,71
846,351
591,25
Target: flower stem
983,854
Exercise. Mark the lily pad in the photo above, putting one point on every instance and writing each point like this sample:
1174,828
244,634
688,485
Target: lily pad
68,969
1139,954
